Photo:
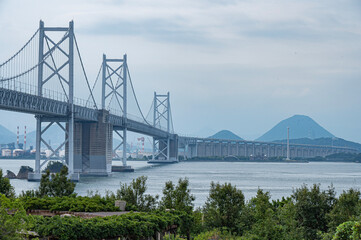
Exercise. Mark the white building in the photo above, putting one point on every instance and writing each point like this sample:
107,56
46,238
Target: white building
6,153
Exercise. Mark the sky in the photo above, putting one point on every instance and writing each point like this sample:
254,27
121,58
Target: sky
236,65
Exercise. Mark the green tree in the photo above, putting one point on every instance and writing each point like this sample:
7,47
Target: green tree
11,224
56,185
265,225
350,230
223,207
346,208
178,197
286,214
134,195
312,205
5,186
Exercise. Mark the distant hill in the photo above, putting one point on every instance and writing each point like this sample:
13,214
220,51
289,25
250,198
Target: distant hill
54,133
225,134
6,136
339,142
300,127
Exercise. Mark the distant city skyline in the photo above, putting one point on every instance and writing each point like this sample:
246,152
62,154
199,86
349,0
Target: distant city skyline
238,65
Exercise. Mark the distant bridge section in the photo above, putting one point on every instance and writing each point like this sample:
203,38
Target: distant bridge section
208,147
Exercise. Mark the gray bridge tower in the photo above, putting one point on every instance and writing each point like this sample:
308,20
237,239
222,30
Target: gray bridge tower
165,150
60,70
116,68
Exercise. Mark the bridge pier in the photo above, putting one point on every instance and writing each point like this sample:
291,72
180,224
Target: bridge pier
93,144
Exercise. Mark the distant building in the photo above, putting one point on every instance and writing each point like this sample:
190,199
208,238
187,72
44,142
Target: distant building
18,152
62,153
6,153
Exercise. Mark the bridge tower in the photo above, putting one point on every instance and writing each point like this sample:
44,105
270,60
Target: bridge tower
165,150
60,70
116,68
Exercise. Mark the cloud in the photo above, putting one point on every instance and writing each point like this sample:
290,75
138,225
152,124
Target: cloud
152,29
232,62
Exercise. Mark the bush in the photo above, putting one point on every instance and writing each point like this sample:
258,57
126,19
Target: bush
131,226
73,204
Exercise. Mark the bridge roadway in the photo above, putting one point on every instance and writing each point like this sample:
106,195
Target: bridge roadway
56,110
208,147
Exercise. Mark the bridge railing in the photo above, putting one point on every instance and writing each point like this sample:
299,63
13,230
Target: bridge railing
46,93
135,118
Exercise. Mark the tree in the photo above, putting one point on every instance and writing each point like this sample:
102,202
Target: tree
5,186
56,185
265,225
350,230
178,197
312,205
135,196
11,224
346,208
54,166
223,206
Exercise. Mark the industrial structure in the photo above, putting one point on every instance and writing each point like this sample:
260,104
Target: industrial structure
40,79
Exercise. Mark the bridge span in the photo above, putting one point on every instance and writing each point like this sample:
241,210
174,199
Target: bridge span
207,147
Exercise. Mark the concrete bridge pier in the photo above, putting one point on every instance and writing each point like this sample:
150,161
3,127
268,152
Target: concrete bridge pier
93,142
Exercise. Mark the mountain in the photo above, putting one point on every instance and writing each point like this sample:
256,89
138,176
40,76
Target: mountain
225,134
6,136
54,133
336,142
300,127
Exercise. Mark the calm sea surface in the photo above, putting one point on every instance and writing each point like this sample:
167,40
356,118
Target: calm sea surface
277,178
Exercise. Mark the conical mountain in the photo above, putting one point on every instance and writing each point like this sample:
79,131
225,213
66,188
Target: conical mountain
225,134
300,127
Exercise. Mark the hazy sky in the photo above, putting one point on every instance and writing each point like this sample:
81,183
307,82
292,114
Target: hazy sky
237,65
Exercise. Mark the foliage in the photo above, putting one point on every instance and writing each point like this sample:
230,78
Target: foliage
350,230
177,197
346,208
217,234
135,196
131,226
172,237
13,218
56,185
5,186
263,218
223,207
311,207
73,204
54,167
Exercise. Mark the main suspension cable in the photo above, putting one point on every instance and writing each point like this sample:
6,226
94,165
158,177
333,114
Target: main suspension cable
135,96
86,78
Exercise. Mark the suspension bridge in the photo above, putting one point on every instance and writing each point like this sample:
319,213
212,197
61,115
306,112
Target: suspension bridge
47,78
